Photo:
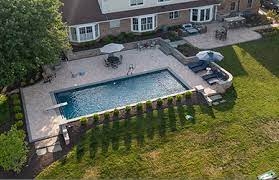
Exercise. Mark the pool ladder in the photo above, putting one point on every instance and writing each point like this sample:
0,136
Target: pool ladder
131,69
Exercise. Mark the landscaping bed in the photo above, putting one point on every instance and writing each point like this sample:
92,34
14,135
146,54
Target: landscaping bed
125,38
269,32
188,50
257,20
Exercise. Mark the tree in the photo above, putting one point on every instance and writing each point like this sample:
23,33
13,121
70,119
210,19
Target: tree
13,150
31,34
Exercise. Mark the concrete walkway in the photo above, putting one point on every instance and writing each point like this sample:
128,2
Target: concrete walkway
235,36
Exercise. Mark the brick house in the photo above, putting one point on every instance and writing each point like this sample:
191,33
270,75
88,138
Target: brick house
93,19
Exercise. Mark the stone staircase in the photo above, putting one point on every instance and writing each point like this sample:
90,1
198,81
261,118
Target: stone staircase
48,145
216,99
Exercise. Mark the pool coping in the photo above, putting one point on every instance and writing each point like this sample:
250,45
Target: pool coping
65,121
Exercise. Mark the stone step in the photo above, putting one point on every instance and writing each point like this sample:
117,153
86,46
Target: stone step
47,142
216,97
54,148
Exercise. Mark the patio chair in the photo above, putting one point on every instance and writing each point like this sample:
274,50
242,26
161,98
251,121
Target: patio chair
200,68
120,59
209,76
153,44
195,64
139,46
107,64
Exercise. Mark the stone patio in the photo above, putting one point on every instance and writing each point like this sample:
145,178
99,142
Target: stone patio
235,36
43,124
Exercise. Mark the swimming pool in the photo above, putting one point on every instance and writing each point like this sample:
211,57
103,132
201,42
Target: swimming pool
117,93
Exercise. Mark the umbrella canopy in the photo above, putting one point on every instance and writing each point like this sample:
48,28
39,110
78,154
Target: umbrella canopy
210,56
111,48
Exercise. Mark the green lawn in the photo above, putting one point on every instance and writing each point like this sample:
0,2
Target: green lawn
239,138
4,109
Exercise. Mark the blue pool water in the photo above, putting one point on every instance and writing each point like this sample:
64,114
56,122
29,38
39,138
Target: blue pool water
113,94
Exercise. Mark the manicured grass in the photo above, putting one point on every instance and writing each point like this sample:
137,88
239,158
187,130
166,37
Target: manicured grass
4,109
239,138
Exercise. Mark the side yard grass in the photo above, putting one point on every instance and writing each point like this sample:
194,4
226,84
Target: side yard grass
236,139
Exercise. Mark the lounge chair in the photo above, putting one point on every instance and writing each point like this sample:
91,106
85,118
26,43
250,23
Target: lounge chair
212,81
209,76
200,68
195,64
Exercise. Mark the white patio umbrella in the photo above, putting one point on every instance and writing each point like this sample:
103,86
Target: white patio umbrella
111,48
210,56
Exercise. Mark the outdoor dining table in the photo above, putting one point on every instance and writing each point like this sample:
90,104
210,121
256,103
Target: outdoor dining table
113,60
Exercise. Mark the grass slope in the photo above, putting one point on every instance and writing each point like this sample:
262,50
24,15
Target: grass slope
239,138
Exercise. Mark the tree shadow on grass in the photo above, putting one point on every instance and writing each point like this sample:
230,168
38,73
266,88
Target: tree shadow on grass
127,134
207,110
230,96
140,130
93,144
181,114
80,150
231,62
150,124
172,118
115,132
105,136
265,52
162,119
191,111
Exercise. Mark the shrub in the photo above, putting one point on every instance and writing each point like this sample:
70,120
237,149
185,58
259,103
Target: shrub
15,96
149,104
139,107
170,100
122,37
188,94
13,149
16,102
178,98
116,113
17,109
18,116
128,109
83,121
130,36
19,124
3,99
96,117
108,39
160,102
107,115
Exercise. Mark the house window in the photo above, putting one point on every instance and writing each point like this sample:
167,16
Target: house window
136,2
174,15
97,32
114,24
135,24
163,0
142,24
233,4
249,4
83,33
73,32
202,14
195,14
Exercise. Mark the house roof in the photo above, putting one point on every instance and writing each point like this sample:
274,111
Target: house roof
76,12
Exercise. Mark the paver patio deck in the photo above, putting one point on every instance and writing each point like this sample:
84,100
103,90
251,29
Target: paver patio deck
235,36
37,98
